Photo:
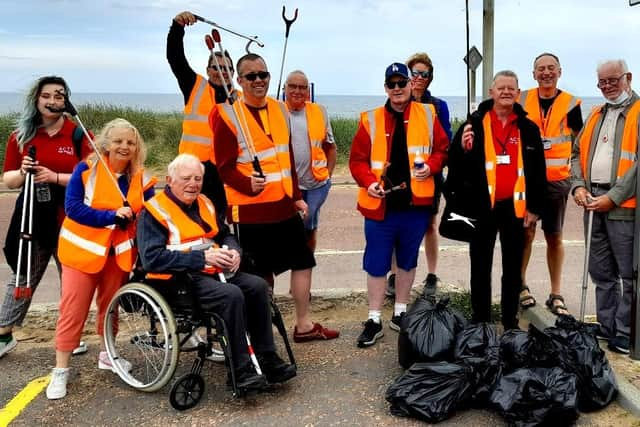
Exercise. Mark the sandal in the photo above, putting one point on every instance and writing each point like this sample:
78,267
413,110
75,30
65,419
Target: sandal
556,308
526,301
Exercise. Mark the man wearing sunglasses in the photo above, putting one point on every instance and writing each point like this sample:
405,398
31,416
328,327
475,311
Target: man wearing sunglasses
314,148
255,160
421,69
559,118
200,96
395,153
604,171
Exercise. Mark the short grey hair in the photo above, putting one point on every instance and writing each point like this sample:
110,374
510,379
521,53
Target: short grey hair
620,63
296,73
505,73
181,161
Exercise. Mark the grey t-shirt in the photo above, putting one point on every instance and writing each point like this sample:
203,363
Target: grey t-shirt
603,155
302,150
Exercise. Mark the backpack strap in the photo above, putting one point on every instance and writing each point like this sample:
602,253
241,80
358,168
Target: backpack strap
76,138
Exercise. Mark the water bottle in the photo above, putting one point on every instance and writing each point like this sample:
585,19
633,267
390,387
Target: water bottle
418,161
43,192
227,274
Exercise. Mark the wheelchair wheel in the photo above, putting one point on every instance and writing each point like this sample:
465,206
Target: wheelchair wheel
187,391
140,328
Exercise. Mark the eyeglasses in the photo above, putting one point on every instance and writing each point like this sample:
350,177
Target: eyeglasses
262,75
423,74
292,86
611,81
398,83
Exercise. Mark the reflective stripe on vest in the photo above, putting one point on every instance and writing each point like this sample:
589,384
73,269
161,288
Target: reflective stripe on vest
183,232
86,248
628,147
317,125
519,189
419,140
554,128
272,152
197,136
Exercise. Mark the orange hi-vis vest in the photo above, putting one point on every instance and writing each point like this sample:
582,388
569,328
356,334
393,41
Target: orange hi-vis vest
628,148
317,124
197,136
419,140
183,232
554,129
490,164
272,152
86,248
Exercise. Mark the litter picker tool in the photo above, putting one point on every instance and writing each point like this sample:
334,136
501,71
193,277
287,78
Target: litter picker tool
235,106
585,272
26,232
287,23
468,62
252,39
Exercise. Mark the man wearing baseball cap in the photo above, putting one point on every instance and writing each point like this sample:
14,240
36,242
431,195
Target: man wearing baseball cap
395,153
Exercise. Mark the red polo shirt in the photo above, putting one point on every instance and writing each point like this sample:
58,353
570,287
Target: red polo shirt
505,141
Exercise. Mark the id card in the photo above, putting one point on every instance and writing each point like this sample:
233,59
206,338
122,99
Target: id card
503,159
546,144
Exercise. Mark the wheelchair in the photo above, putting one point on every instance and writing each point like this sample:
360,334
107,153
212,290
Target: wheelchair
142,327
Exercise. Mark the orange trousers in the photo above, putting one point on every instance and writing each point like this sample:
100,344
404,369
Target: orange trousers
78,289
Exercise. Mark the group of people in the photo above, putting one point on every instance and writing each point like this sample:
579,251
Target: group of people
252,174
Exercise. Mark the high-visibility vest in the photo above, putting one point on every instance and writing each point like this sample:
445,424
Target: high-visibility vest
628,148
490,163
183,232
86,248
272,152
197,136
419,140
553,128
317,125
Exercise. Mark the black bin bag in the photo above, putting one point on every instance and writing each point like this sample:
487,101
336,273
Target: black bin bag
579,353
521,349
430,391
428,331
537,396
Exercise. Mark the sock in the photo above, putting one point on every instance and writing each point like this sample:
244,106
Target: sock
6,337
399,308
375,315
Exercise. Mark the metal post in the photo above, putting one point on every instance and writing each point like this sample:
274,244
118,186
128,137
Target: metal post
472,90
487,46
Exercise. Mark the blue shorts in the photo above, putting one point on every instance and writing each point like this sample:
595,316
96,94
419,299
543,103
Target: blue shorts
399,231
315,199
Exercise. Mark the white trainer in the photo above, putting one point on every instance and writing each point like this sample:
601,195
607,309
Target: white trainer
217,355
57,388
105,363
82,348
6,347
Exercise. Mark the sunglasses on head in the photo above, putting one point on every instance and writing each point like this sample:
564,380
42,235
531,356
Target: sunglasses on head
263,75
398,83
423,74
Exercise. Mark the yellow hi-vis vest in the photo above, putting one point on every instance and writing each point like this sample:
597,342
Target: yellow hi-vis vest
317,125
86,248
197,136
419,140
490,163
273,153
628,148
554,128
183,232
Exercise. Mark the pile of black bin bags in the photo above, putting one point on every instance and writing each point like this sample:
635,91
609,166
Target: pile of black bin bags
531,378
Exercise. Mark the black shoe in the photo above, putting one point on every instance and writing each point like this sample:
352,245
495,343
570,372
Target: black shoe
391,286
430,284
274,368
396,322
371,333
248,379
619,344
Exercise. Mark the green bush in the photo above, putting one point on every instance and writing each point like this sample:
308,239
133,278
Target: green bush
344,130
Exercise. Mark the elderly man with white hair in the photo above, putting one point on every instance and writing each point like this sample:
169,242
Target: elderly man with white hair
603,168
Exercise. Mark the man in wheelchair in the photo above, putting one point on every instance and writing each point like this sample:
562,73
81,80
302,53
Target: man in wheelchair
180,232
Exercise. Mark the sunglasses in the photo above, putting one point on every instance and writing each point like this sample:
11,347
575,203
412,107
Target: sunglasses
262,75
423,74
398,83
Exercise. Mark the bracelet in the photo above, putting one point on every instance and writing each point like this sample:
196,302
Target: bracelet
57,178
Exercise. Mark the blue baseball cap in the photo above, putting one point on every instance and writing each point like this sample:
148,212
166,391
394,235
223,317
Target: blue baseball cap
396,69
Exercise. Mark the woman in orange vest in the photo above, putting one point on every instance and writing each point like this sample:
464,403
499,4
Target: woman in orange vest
96,243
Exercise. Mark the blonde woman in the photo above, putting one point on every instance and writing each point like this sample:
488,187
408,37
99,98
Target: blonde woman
96,247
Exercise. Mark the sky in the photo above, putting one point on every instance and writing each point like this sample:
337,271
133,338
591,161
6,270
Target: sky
344,46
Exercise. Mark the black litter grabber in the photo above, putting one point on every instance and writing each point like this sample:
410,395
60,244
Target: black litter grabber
252,39
287,23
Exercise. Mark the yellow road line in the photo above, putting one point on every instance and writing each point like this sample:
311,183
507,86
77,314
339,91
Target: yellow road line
22,399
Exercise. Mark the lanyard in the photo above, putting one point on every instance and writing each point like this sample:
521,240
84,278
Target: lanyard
507,131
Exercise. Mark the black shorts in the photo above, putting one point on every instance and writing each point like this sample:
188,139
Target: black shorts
276,247
555,206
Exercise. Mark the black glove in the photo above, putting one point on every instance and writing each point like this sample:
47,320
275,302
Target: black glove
122,222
